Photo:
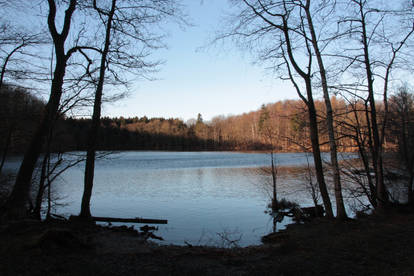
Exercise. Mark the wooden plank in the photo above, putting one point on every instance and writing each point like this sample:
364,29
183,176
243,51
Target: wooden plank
131,220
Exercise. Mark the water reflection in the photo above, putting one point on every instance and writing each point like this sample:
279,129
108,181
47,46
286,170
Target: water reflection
203,195
202,201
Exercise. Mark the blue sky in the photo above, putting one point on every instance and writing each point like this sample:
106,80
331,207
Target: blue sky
211,81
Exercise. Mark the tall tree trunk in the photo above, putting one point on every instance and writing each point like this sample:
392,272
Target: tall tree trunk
16,205
39,198
314,137
372,190
340,207
359,138
313,122
382,197
6,147
371,150
96,118
43,177
49,191
410,194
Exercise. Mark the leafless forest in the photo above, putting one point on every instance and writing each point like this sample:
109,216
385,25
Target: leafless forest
348,61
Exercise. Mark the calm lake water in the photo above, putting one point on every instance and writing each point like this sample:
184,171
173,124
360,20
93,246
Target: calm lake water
205,196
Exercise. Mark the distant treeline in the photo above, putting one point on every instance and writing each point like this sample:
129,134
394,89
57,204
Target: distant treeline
137,134
287,121
20,113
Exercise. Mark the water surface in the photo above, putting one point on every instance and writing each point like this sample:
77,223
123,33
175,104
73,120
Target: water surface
207,197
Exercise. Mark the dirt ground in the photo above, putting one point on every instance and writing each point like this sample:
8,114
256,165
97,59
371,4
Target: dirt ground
375,245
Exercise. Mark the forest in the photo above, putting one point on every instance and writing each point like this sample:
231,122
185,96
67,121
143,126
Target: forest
287,121
349,63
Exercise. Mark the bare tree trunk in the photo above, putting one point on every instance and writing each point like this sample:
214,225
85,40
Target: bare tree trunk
39,198
43,176
410,197
49,192
313,122
313,191
373,195
377,147
263,12
16,205
359,139
340,207
6,147
274,175
314,136
96,118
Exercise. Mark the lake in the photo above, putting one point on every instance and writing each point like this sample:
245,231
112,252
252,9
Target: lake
208,198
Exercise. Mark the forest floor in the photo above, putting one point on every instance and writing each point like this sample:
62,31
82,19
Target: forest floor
374,245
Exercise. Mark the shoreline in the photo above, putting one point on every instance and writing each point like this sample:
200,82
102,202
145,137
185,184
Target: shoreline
372,245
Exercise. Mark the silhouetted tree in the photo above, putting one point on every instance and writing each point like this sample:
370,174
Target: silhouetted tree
93,132
16,205
14,54
127,44
275,29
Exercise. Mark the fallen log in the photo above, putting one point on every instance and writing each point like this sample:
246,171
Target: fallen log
313,212
130,220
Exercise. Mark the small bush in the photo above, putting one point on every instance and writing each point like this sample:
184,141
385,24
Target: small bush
282,204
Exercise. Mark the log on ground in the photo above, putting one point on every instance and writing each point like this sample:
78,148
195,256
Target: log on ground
130,220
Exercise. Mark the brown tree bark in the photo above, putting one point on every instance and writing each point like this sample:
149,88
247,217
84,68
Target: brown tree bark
314,137
313,122
340,207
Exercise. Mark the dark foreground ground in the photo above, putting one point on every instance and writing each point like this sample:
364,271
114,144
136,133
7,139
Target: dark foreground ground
377,245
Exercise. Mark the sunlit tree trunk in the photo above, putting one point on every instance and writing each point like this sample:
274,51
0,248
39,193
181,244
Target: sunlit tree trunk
314,137
340,207
313,122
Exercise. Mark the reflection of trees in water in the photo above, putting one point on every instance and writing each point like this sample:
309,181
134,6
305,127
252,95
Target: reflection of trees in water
298,184
292,183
